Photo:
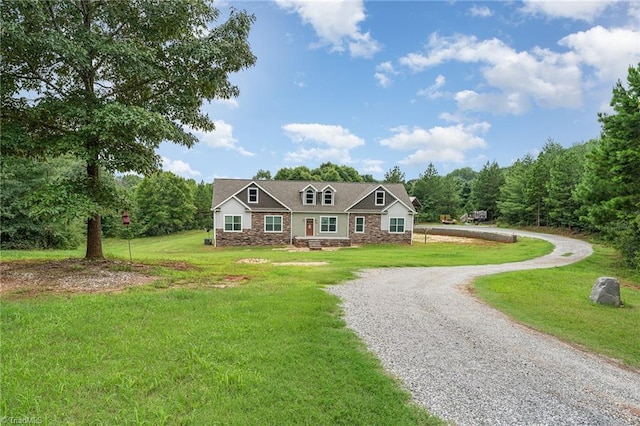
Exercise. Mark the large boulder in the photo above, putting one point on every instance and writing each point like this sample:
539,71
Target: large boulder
606,291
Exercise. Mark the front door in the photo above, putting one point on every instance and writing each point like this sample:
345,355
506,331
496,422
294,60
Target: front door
309,227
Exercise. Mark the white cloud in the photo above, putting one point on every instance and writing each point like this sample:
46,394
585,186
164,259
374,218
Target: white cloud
383,72
432,92
541,76
609,51
179,167
499,103
480,11
572,9
447,144
336,23
221,137
372,166
334,142
230,103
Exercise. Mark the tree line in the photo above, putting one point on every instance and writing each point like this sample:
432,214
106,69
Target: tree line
89,90
589,187
40,209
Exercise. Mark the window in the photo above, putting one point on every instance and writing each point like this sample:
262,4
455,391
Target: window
273,224
379,198
328,224
253,195
232,223
359,225
327,197
396,225
309,196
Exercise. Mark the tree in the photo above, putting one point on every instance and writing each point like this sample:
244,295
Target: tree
486,189
262,175
327,172
513,202
565,174
108,81
610,186
394,175
165,205
540,173
36,211
202,195
464,179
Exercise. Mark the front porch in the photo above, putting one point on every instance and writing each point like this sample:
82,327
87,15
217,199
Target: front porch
319,242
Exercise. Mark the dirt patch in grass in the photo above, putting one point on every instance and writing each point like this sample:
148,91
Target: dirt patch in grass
420,238
30,278
300,263
255,261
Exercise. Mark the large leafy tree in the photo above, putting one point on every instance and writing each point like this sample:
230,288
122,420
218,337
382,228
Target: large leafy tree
108,81
611,185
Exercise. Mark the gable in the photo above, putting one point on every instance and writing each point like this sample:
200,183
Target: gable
347,196
264,199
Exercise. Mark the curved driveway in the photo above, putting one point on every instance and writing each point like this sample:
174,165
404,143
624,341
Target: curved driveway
469,364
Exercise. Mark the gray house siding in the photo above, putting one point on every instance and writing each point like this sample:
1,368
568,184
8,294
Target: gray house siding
285,199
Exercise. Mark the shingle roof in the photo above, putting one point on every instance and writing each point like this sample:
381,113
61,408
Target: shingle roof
288,192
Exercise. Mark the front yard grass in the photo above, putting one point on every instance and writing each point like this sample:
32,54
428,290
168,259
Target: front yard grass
556,301
268,347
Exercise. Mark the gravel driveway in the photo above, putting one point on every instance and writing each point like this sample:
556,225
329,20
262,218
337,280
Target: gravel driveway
469,364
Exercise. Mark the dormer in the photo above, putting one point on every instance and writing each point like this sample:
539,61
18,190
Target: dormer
252,195
309,195
328,196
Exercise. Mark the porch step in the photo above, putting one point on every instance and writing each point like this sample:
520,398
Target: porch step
315,245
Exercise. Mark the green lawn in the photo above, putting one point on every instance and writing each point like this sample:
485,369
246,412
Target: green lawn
556,301
271,350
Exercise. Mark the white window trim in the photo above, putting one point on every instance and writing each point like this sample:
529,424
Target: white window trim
404,223
249,191
355,224
383,198
225,222
329,225
281,224
305,202
324,195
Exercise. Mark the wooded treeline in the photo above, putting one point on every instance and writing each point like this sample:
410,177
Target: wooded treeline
39,208
591,187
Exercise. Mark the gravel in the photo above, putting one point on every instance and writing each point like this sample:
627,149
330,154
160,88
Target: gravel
469,364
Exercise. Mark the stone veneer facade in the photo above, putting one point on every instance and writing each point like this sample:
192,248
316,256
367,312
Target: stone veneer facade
372,233
256,235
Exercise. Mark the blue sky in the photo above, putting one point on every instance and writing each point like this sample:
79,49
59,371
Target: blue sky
375,84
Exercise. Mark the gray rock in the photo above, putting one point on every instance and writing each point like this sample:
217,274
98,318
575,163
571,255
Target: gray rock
606,291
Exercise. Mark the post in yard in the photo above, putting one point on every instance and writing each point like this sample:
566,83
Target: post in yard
126,221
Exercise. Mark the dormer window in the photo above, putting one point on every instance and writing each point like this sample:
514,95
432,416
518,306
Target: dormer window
327,197
310,196
380,198
252,195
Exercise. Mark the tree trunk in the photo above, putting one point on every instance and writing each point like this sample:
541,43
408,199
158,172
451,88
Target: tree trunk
94,224
94,238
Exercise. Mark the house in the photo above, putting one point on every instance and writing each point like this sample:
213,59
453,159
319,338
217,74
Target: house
329,214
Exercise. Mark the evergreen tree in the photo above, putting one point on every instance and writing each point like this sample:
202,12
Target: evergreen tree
486,189
610,188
